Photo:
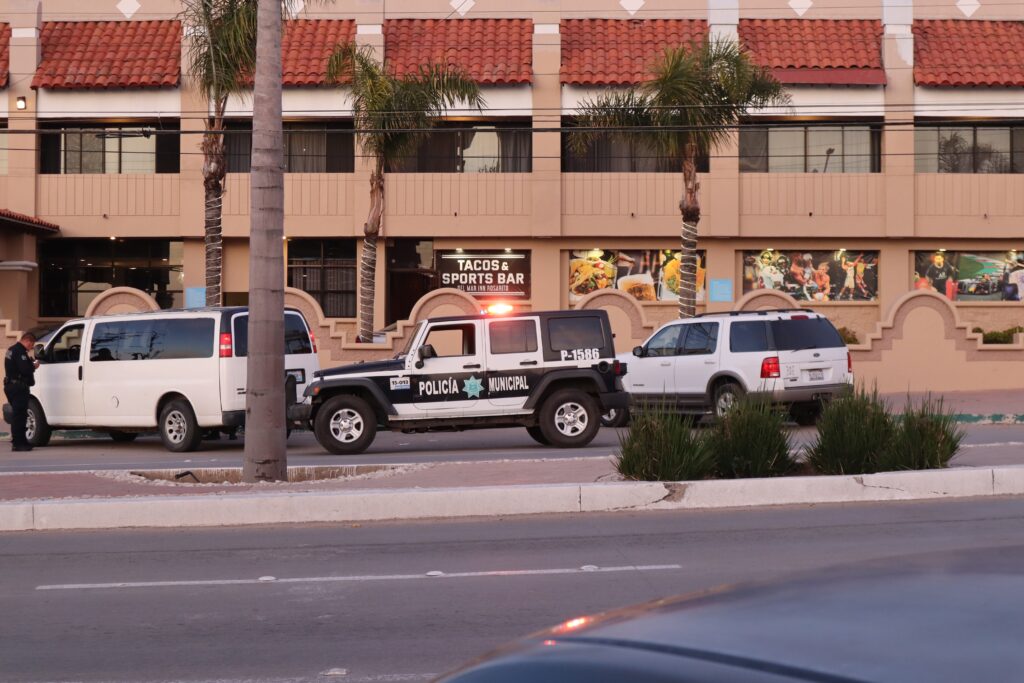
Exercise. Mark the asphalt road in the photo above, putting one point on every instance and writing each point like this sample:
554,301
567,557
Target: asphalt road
984,445
357,602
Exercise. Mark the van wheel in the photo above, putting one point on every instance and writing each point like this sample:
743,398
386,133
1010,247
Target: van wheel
179,429
122,437
37,430
805,414
345,425
725,398
537,435
570,418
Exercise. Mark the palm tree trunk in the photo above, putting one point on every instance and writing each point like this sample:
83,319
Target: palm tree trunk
689,207
213,188
265,452
368,262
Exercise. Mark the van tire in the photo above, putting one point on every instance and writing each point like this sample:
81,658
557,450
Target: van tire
122,437
570,418
39,430
345,425
179,429
537,435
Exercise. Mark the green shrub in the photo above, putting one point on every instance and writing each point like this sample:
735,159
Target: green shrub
854,433
927,437
752,441
998,336
660,445
848,335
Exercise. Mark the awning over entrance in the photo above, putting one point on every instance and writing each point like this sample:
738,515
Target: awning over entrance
12,220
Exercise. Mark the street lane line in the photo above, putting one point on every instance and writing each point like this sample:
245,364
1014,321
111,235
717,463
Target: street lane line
362,578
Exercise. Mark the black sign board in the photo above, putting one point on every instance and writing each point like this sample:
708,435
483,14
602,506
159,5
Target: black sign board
498,273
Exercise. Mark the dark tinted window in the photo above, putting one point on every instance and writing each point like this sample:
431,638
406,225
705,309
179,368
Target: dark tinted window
807,333
167,339
575,333
296,337
700,338
748,336
513,336
666,342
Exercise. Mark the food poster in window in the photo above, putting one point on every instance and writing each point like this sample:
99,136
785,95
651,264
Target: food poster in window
646,275
840,275
970,276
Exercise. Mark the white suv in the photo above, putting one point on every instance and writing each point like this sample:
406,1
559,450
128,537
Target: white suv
702,365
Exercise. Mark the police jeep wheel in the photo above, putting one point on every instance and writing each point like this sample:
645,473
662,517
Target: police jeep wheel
345,425
37,430
537,435
570,418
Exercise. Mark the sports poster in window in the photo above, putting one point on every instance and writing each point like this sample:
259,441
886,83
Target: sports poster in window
841,275
971,276
646,275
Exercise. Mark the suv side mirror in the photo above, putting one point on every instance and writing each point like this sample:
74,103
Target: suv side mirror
39,352
639,351
424,352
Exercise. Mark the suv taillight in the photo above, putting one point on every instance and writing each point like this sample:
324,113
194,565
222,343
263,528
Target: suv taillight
617,368
225,345
849,363
312,340
770,368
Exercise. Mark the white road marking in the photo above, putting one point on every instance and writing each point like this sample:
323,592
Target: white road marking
361,578
992,444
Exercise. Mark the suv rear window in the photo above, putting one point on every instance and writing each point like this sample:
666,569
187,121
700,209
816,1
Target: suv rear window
513,336
296,337
583,332
805,333
745,337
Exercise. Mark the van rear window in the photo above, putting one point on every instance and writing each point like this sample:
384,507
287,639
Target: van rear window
296,337
580,332
806,333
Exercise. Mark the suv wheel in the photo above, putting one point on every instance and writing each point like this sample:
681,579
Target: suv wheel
37,431
615,418
179,429
726,396
570,418
345,425
537,435
805,414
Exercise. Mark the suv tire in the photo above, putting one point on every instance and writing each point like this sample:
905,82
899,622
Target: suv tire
179,429
615,418
537,435
725,397
37,430
805,414
345,425
570,418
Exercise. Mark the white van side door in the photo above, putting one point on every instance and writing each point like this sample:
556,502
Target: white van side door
59,387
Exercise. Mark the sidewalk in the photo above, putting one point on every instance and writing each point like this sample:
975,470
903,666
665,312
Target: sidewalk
974,407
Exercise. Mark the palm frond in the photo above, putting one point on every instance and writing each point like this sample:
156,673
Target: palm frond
221,50
615,115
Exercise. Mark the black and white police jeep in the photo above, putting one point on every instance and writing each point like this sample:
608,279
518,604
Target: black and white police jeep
554,373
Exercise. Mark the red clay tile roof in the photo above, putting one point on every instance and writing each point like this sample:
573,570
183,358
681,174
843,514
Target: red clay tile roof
306,46
964,52
825,51
5,53
491,51
621,51
79,55
29,222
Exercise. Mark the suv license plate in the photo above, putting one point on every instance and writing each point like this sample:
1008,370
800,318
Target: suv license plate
816,374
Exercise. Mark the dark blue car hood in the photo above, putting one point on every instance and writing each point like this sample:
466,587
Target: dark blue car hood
391,365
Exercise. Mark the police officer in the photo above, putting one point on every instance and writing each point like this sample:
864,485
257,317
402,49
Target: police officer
20,375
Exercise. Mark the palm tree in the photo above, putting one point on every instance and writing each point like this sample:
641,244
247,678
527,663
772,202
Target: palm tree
265,451
221,59
694,99
393,114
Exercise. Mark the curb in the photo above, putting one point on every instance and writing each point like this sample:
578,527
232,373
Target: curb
490,501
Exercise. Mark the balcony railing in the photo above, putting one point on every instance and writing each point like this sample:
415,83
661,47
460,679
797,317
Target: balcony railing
458,194
305,194
812,194
621,194
970,194
127,195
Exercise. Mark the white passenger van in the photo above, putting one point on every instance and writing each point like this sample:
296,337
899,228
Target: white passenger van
180,372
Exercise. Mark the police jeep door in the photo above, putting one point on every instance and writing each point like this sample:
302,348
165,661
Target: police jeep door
514,361
451,381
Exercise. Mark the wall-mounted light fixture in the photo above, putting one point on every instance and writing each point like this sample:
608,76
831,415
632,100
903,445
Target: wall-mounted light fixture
22,102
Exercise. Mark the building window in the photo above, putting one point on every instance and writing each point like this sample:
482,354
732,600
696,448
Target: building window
309,147
73,272
3,147
410,275
621,154
326,270
969,149
811,149
101,148
971,276
813,275
467,147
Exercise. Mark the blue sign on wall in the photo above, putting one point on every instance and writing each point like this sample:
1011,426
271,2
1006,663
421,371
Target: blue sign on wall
195,297
720,290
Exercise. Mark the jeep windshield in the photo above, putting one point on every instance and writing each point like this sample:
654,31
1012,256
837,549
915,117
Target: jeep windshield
413,333
805,333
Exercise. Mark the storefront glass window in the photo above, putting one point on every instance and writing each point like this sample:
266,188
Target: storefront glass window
647,275
326,270
810,149
806,275
410,275
73,272
971,276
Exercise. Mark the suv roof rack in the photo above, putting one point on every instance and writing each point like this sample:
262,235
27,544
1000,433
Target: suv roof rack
766,311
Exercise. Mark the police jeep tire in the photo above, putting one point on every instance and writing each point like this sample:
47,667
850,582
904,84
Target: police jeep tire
570,418
179,429
345,425
37,430
537,435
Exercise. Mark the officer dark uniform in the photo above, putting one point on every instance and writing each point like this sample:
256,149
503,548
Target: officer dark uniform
20,375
